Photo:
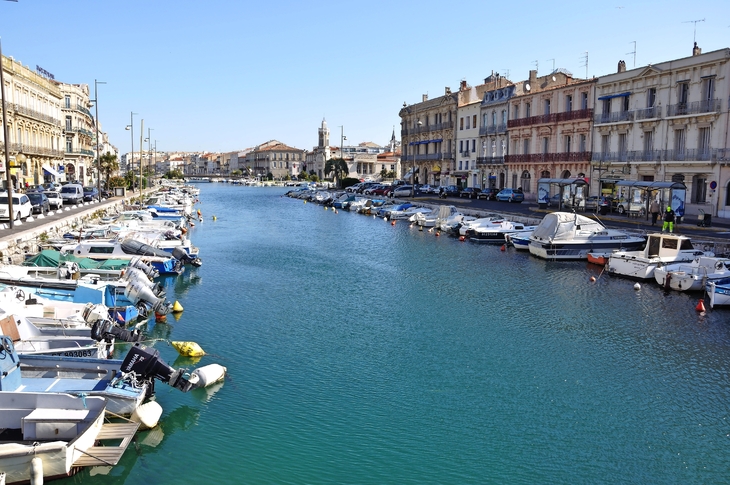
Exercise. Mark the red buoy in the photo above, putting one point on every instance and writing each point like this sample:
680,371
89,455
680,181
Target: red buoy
503,248
392,223
462,238
700,306
438,233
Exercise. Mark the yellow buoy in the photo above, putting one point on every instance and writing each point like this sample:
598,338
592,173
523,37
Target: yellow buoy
188,349
177,307
215,218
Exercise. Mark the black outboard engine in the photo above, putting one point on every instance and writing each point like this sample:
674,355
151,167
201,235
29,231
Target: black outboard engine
146,363
107,330
181,255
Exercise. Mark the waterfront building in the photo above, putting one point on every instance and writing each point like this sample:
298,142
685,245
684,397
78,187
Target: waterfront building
78,132
667,122
465,173
33,103
549,129
428,139
493,140
274,158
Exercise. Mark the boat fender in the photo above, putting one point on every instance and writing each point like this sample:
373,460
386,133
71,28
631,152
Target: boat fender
147,414
637,286
188,349
36,471
207,375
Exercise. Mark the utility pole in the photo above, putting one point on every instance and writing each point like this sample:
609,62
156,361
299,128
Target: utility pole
141,138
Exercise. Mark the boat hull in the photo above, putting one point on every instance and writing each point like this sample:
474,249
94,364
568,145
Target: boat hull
577,250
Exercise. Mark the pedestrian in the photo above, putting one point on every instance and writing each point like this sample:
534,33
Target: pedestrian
654,211
668,220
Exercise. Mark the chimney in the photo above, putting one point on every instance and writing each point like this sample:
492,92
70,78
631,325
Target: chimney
424,97
447,90
533,77
621,66
462,85
696,51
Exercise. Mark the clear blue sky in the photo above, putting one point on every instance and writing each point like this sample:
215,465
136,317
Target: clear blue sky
220,75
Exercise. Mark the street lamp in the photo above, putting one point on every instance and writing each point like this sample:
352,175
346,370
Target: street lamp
130,127
149,148
98,155
6,139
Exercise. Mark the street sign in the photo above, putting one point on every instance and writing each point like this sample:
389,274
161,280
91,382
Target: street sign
713,185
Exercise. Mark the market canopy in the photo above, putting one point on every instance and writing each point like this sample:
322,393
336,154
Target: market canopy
641,184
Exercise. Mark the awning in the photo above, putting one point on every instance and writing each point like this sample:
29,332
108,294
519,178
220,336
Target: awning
640,184
51,171
621,95
563,182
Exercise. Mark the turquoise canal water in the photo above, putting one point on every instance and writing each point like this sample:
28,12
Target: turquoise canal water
364,353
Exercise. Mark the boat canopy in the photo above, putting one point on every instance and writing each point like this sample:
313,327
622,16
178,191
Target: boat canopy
640,184
51,258
560,226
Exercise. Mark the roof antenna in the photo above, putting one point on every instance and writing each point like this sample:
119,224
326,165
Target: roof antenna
553,64
584,58
634,52
537,68
694,36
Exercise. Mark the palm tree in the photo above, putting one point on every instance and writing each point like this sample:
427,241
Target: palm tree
338,166
109,166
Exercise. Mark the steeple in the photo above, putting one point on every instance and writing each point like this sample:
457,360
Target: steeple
392,141
324,135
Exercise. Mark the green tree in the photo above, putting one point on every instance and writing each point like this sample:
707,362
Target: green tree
338,167
109,166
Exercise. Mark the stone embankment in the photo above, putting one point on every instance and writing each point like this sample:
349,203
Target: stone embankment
27,237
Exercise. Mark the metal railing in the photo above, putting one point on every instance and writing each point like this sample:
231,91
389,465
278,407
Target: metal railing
31,150
490,160
549,157
614,117
35,114
580,114
648,113
695,107
658,156
413,130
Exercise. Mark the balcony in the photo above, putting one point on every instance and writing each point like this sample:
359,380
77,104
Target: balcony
414,130
31,150
84,110
695,107
648,113
549,157
608,157
582,114
35,114
490,161
615,117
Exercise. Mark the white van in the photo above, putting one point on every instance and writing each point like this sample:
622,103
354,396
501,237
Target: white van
72,194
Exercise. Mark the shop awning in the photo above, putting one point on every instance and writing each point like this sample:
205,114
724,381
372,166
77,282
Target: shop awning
50,170
620,95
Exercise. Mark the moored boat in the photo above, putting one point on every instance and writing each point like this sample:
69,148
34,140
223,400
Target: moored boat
719,292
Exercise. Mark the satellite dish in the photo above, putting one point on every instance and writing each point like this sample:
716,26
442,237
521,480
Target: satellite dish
553,78
527,86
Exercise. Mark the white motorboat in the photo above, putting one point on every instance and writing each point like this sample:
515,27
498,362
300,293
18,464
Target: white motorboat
497,233
407,213
660,249
519,240
53,435
566,235
474,224
692,276
719,292
434,218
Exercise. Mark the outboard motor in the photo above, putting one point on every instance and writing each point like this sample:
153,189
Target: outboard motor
181,255
147,269
133,274
104,329
146,363
137,292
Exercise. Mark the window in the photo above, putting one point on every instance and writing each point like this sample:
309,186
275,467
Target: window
648,141
504,117
67,101
625,104
461,146
679,143
461,123
484,119
526,146
69,145
583,100
605,144
525,182
708,88
68,123
582,143
527,110
606,106
704,143
546,107
545,145
473,146
514,180
460,162
683,93
494,118
517,111
567,143
651,97
699,189
622,145
569,102
474,121
467,123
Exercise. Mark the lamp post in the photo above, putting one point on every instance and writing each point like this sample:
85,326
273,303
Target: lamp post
141,134
130,127
413,172
149,148
98,155
6,140
342,154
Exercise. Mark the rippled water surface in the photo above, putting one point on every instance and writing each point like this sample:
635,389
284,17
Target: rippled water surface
365,353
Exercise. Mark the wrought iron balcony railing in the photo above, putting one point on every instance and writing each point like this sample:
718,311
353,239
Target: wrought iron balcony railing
695,107
35,114
580,114
549,157
490,160
648,113
615,117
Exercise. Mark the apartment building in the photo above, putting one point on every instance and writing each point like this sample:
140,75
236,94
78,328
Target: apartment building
668,122
493,139
33,103
275,158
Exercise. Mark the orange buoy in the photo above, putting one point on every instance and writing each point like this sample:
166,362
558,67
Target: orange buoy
438,233
392,223
700,306
593,279
503,248
160,318
462,238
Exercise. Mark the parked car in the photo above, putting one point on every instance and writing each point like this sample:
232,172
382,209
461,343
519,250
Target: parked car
469,192
488,193
353,188
365,186
22,208
592,203
448,191
370,190
388,191
402,191
54,199
52,186
380,190
72,194
35,188
40,203
510,195
90,193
